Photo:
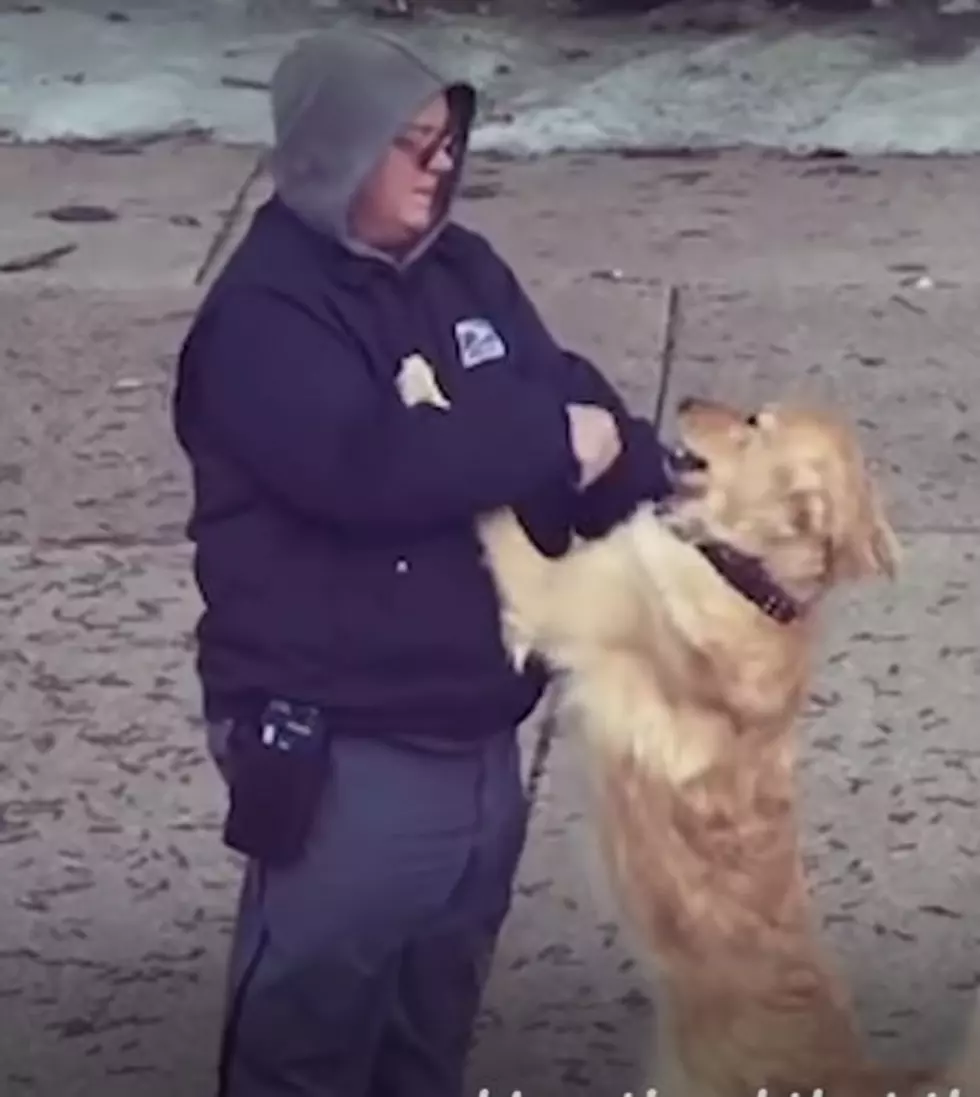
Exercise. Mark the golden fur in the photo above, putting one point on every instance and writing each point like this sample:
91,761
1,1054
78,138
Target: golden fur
687,696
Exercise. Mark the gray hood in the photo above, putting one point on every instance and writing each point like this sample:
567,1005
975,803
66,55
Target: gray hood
338,100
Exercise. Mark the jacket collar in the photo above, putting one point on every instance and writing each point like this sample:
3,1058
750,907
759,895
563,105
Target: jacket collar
329,253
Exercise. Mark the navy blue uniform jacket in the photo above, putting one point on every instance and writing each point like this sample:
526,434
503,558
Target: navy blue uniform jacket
334,527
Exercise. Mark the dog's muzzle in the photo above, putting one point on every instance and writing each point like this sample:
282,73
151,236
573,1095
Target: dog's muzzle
681,467
681,461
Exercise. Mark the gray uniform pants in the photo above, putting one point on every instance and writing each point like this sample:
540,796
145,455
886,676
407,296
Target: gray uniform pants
358,972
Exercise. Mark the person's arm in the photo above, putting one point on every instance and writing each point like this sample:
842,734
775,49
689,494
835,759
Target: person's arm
639,475
293,403
640,472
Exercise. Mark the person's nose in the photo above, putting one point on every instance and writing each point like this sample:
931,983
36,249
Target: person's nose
442,161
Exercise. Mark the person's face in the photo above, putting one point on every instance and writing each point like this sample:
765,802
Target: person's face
397,202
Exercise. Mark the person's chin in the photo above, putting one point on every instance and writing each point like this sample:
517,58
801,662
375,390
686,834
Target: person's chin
421,216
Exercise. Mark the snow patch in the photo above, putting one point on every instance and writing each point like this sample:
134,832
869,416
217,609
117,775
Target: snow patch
911,109
801,92
76,74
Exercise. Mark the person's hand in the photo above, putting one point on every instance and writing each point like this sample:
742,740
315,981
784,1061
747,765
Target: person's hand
595,440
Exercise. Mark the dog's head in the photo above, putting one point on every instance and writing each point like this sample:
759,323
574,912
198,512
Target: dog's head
787,485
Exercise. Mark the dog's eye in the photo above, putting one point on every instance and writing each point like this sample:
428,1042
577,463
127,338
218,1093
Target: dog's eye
752,420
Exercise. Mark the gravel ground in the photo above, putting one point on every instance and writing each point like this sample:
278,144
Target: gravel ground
854,280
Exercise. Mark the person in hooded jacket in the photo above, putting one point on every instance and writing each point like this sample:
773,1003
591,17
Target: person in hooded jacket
343,584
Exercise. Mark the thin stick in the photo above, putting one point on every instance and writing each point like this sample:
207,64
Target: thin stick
542,745
37,260
668,342
229,224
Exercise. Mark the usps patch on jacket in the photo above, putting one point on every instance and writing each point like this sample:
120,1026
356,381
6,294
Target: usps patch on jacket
478,342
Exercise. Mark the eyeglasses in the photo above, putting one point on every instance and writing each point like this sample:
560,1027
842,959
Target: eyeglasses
423,154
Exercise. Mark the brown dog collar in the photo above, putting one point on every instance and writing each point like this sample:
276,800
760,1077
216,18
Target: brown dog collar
750,579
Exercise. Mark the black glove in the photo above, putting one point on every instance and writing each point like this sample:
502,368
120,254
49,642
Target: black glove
639,474
547,519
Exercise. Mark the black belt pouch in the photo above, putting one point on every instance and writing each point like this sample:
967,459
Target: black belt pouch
278,766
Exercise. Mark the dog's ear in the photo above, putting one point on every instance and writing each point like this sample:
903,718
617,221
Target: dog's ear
864,544
873,541
858,539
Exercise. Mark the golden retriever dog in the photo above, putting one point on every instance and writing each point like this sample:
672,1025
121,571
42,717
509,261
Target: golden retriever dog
684,642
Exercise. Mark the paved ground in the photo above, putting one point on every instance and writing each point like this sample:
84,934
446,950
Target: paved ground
796,275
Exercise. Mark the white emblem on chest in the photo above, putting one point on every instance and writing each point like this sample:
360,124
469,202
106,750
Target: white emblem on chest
478,342
417,383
